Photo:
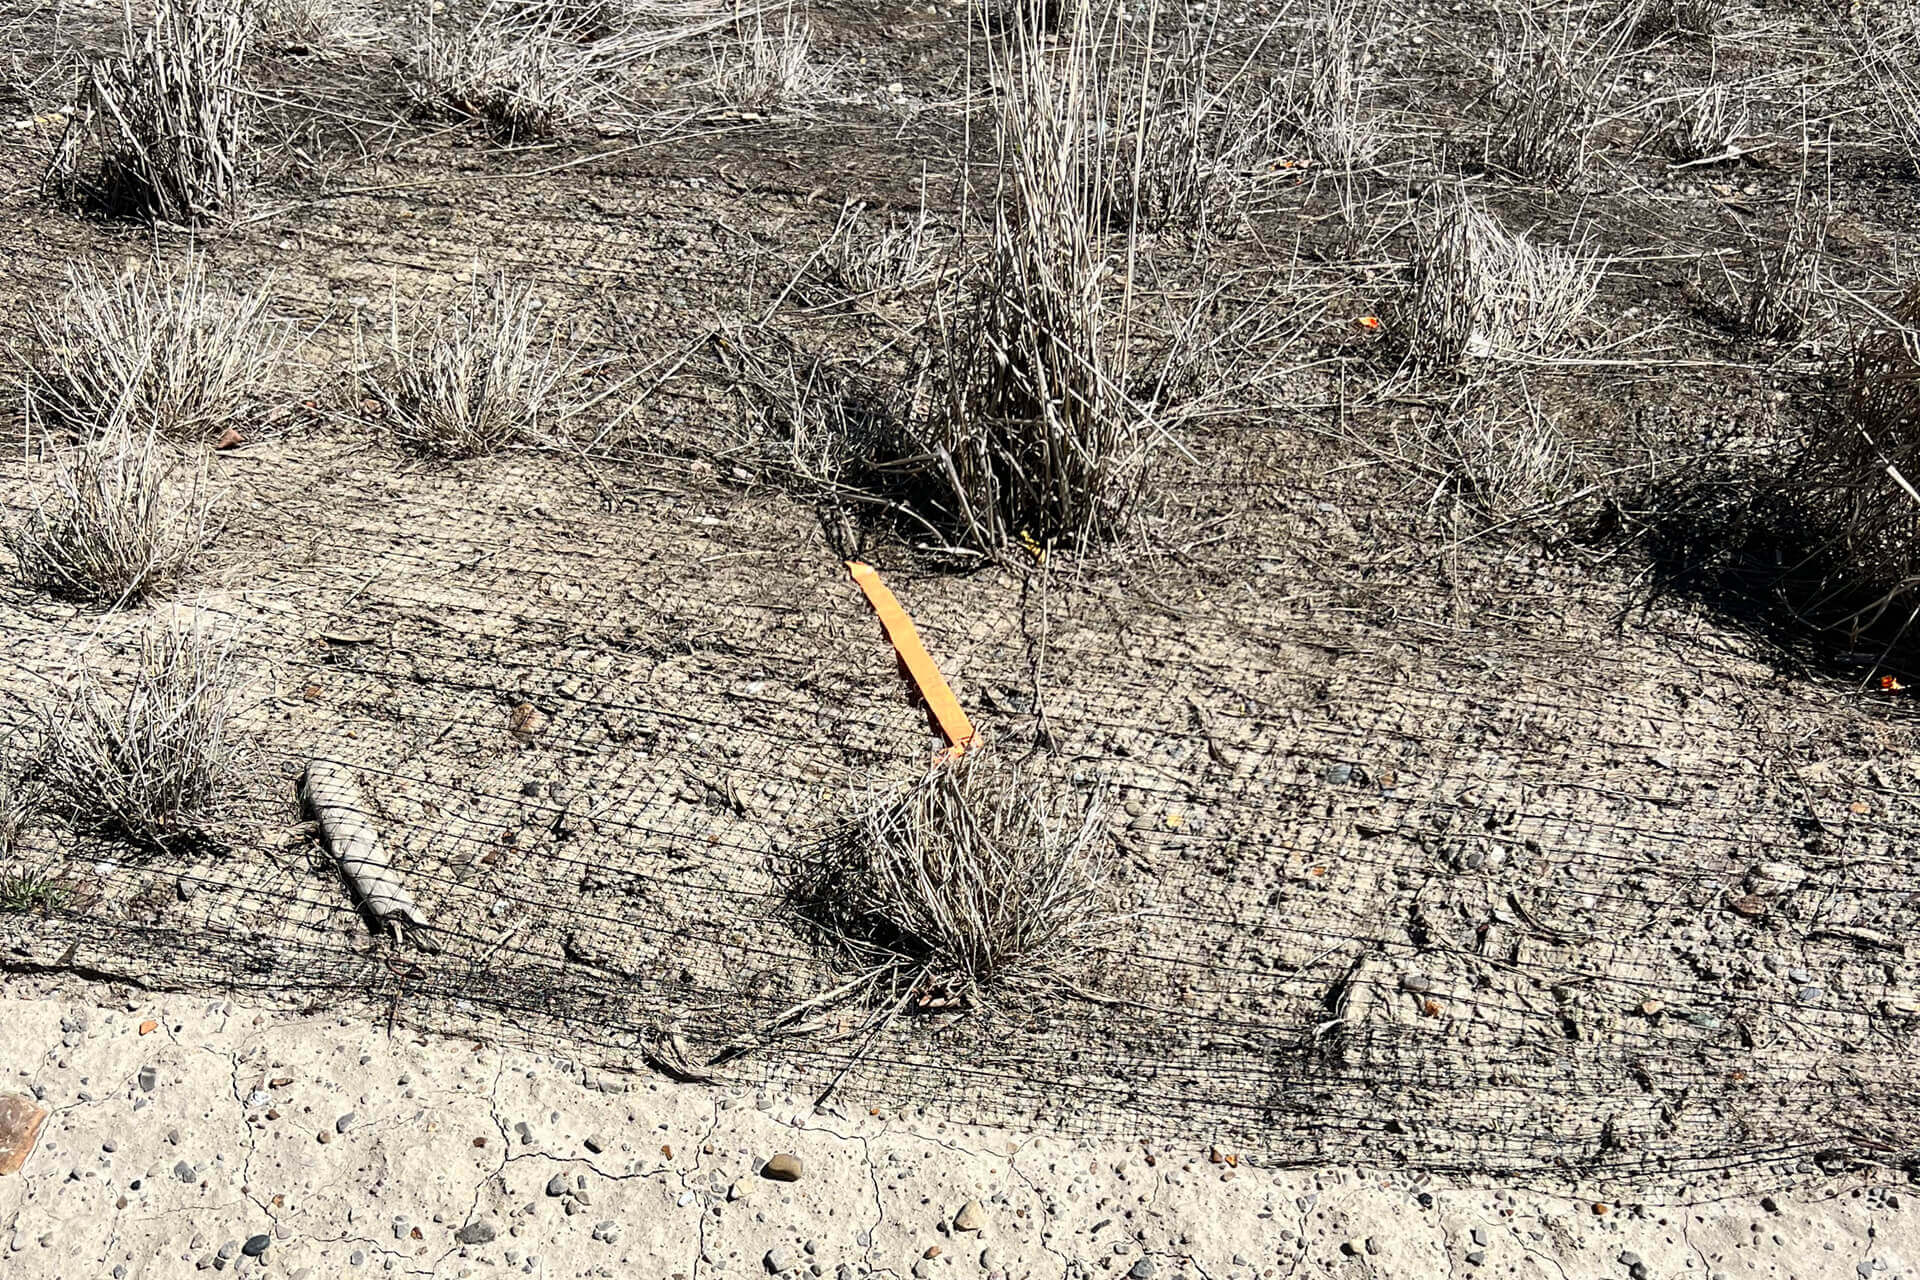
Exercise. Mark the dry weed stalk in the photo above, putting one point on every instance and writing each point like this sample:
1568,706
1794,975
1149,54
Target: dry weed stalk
859,260
19,799
972,882
160,128
763,67
162,347
1497,451
524,79
1479,291
1649,20
147,761
827,424
488,375
1782,281
125,524
302,27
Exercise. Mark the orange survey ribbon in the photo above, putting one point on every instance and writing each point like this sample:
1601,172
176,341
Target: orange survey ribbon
913,655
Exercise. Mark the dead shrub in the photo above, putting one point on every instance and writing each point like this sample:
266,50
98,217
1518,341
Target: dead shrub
161,347
1333,88
825,423
974,881
160,128
1549,90
524,80
148,761
1701,124
126,522
297,28
763,67
1479,291
1496,451
1773,295
488,374
1648,20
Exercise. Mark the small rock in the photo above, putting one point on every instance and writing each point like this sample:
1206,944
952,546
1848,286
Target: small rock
606,1232
1142,1270
183,1171
596,1143
557,1185
779,1260
1628,1258
1476,1256
739,1190
475,1233
970,1218
20,1122
148,1078
784,1167
148,1027
228,1249
344,1123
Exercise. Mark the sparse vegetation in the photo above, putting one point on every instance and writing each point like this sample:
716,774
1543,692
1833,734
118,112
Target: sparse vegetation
160,127
147,761
1700,124
1775,293
125,523
1479,291
1549,90
301,27
1499,453
1333,88
975,880
161,347
489,374
19,801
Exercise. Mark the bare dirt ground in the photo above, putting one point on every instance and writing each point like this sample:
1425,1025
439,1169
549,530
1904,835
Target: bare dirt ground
1608,887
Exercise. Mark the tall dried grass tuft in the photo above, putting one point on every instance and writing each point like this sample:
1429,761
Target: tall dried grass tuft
766,66
1549,93
492,373
163,347
524,79
150,760
126,522
1479,291
975,880
160,128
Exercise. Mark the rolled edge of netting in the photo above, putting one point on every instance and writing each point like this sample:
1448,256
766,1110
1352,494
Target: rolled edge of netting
332,796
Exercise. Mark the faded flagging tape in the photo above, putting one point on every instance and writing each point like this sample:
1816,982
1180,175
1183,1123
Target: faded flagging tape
920,665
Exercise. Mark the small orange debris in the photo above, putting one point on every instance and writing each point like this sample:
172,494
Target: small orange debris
311,693
1369,322
1860,806
1431,1008
1319,871
1890,685
148,1027
667,1152
1599,1208
229,439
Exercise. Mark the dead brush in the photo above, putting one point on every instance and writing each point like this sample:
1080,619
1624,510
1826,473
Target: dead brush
977,883
1646,21
1701,124
824,423
149,760
162,346
1774,294
1495,451
298,28
524,80
489,374
125,524
160,128
866,261
1549,92
1333,88
764,66
1480,292
1035,426
20,801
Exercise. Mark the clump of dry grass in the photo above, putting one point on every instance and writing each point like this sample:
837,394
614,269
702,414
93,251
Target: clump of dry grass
1649,20
1498,452
822,422
488,374
1773,296
1549,92
524,79
1701,124
301,27
19,800
1479,291
1333,88
1039,426
973,881
125,523
164,347
764,66
160,128
863,260
149,760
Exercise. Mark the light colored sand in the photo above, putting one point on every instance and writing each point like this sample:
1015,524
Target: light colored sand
241,1099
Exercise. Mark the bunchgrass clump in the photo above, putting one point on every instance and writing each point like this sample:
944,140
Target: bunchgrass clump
1549,93
489,374
768,65
159,128
1479,291
162,346
298,28
149,759
972,883
1780,281
523,79
1701,124
1333,89
125,522
19,801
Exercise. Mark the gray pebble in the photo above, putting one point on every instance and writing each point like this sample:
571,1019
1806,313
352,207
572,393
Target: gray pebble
228,1249
475,1233
1479,1236
183,1171
1476,1256
606,1232
357,1258
1628,1257
256,1245
779,1260
557,1185
596,1143
148,1078
344,1123
1142,1270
